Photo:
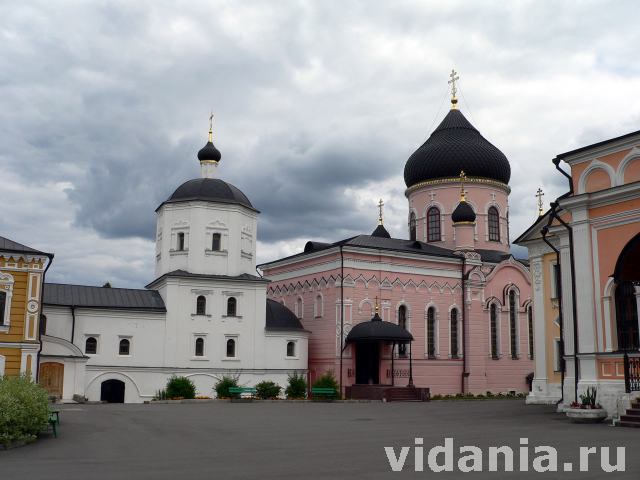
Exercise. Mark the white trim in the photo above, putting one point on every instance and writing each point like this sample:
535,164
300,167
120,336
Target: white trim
318,307
236,354
2,364
634,154
459,329
6,285
596,165
129,339
295,355
97,338
498,330
516,292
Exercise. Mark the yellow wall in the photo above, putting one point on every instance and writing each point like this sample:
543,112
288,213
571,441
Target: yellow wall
551,311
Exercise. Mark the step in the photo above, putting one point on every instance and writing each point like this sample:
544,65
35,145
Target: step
630,419
629,424
634,411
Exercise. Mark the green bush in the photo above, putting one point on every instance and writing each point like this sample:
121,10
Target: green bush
268,389
297,387
223,386
327,380
24,409
180,387
160,395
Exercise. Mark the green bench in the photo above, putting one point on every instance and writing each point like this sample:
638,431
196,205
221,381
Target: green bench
237,392
54,421
323,393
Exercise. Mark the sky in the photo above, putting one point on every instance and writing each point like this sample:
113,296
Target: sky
317,104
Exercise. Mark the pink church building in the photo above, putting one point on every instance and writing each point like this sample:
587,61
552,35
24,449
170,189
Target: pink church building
447,308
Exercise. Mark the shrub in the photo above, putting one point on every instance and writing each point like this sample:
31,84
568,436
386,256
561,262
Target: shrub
268,389
223,386
327,380
24,409
180,387
160,395
297,387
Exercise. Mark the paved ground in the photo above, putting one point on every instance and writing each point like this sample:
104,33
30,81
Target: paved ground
297,440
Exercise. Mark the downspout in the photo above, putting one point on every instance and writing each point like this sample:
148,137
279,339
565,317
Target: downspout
44,274
341,313
73,323
545,231
465,374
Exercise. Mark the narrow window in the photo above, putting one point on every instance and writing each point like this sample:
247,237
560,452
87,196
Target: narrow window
555,281
3,304
402,322
231,307
318,307
201,305
231,348
494,224
199,347
431,332
454,333
291,349
433,225
494,332
125,347
180,246
91,346
412,226
513,324
215,242
530,324
299,308
43,324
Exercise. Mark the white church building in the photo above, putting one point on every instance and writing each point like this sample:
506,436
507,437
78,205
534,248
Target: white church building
205,315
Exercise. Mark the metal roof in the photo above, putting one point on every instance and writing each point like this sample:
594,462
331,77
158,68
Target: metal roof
8,245
102,297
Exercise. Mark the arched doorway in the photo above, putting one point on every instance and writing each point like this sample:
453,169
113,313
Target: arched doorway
51,378
112,391
627,293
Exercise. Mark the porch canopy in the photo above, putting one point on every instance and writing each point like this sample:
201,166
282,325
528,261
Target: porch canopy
377,330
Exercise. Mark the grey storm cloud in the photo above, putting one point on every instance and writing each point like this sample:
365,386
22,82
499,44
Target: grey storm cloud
104,105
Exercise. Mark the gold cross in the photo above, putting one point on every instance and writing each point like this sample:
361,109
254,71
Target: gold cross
539,195
211,126
454,77
380,205
377,309
463,177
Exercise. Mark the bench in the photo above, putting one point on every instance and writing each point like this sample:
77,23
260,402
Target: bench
54,421
324,393
238,392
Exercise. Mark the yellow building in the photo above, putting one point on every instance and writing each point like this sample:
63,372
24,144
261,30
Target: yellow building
22,271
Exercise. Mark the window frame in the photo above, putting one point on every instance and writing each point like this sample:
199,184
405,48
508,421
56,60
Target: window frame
514,334
434,224
232,301
202,354
494,331
180,242
6,287
295,349
216,236
493,224
412,226
129,342
432,333
86,339
531,330
403,321
234,339
201,305
454,341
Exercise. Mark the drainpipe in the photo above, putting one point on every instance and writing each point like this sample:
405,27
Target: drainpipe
73,323
545,232
465,374
341,313
44,274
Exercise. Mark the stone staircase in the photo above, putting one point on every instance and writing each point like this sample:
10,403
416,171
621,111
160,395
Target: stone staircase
632,418
407,394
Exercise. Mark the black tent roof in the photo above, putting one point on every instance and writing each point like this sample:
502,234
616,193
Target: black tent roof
376,330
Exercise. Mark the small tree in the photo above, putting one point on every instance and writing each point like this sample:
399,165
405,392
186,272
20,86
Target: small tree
268,389
24,409
297,387
223,385
180,387
327,380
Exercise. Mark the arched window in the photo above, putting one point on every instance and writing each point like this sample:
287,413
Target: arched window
454,333
291,349
299,308
231,348
494,224
433,225
317,307
43,324
215,242
3,305
530,328
627,316
199,347
91,346
180,246
402,321
125,347
232,304
431,332
495,351
201,305
412,226
513,324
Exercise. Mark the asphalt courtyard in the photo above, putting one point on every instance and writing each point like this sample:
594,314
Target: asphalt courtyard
302,440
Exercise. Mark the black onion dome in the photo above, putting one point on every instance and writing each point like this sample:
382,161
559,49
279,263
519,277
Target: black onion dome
454,146
463,213
380,231
279,317
209,190
377,329
209,152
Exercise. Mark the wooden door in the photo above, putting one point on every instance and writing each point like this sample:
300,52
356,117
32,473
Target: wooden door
52,378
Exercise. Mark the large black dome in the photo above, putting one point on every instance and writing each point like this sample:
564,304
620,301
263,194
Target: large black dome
454,146
209,190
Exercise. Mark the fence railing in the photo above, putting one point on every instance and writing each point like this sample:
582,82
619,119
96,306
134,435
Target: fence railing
631,373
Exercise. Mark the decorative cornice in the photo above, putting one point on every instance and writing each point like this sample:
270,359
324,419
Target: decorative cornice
456,180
